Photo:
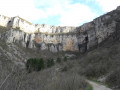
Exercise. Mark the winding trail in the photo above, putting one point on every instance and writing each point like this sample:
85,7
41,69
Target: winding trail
97,86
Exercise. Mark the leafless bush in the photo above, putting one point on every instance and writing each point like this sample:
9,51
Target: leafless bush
68,82
114,78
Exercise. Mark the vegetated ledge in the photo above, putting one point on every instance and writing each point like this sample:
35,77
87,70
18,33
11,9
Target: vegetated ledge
4,29
24,20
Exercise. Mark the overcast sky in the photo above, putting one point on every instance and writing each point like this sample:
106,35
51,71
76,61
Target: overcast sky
57,12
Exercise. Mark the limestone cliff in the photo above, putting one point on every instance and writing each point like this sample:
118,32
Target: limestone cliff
20,23
57,38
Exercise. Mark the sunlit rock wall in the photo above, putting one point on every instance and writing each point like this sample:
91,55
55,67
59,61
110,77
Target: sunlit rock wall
56,38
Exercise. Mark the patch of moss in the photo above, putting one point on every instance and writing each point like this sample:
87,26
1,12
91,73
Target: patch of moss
17,28
89,87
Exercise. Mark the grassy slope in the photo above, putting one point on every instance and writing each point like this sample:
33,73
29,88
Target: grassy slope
3,29
103,62
16,78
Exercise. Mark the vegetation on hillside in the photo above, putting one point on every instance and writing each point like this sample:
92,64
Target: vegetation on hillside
50,62
34,64
23,20
3,29
37,64
103,62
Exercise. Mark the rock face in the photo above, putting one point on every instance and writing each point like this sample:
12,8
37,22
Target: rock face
53,43
53,29
118,8
56,38
19,23
4,20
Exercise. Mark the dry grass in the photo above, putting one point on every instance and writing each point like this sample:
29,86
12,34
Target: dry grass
3,29
49,79
103,62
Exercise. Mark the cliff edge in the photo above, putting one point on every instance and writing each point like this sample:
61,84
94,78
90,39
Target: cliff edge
57,38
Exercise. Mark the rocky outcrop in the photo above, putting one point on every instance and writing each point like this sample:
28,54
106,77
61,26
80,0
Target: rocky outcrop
118,8
21,24
54,43
43,28
101,28
56,38
4,20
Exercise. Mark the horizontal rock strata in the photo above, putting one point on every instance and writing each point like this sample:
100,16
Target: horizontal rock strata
57,38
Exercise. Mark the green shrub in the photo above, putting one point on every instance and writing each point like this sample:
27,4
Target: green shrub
58,60
40,64
18,28
65,58
30,64
34,64
50,62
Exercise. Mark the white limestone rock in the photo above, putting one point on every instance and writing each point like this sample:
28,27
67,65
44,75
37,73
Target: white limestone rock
60,38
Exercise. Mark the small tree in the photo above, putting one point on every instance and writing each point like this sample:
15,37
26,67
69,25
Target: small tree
18,28
40,64
65,58
31,64
58,60
34,64
50,62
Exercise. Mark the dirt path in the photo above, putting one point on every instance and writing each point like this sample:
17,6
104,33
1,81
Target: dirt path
97,86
